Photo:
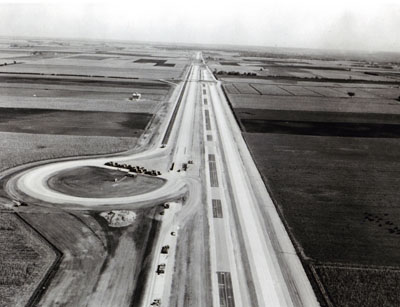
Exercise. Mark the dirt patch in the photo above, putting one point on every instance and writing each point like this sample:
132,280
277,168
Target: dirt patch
102,183
119,218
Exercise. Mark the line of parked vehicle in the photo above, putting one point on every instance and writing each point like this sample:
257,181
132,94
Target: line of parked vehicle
134,169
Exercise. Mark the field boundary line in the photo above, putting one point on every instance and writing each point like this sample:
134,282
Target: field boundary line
257,90
319,80
52,270
233,84
324,292
283,89
346,266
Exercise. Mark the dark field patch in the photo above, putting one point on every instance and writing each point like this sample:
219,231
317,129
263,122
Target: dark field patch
150,61
343,129
290,67
78,80
354,287
336,196
317,116
229,63
166,65
84,123
58,93
100,182
346,124
156,62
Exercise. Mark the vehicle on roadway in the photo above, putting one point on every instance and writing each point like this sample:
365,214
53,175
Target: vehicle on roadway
161,269
164,249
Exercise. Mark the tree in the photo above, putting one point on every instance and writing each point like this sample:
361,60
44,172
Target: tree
351,94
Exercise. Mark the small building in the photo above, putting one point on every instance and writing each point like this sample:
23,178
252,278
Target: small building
135,96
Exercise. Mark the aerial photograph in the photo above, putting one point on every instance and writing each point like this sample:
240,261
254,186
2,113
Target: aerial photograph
200,153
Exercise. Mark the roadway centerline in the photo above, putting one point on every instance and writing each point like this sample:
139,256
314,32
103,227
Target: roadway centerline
223,254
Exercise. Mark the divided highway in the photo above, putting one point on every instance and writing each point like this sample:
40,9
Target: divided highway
252,260
270,274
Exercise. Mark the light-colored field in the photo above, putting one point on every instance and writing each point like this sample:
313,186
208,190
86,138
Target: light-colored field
20,148
312,89
388,93
326,91
302,74
299,91
131,72
346,75
244,88
84,58
83,104
315,104
55,90
360,93
267,89
9,56
231,89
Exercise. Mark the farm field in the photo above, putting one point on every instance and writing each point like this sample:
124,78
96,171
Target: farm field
24,260
316,116
49,116
303,64
319,123
118,60
138,71
62,122
21,148
329,161
83,103
95,182
338,197
328,104
94,254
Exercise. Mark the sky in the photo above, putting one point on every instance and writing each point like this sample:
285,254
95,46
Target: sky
340,24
